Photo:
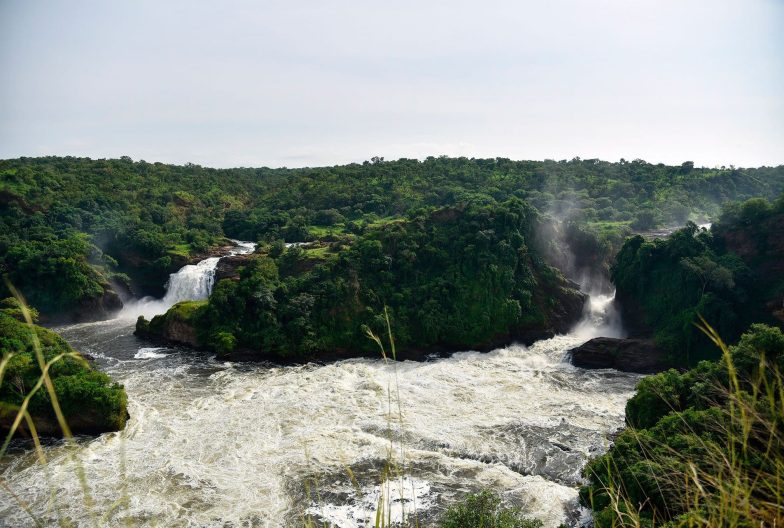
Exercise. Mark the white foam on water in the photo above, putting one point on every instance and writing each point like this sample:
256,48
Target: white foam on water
149,353
230,444
403,498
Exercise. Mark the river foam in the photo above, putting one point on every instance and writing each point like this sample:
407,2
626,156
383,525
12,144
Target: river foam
218,444
212,443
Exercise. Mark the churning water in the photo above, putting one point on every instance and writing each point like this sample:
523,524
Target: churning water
220,444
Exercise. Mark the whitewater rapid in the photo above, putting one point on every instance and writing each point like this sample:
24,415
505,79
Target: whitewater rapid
211,443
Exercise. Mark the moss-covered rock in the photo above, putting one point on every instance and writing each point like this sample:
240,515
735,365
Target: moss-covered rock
179,325
90,401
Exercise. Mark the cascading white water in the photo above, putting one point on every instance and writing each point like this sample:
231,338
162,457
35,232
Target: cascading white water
219,444
600,318
192,282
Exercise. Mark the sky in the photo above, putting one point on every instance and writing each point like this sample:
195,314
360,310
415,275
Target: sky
307,83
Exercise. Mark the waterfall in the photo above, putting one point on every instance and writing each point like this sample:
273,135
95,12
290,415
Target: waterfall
600,318
192,282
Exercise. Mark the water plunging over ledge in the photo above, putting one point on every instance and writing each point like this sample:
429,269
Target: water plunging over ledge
211,443
192,282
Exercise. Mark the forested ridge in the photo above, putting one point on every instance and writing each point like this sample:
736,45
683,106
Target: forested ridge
75,229
451,279
732,275
453,254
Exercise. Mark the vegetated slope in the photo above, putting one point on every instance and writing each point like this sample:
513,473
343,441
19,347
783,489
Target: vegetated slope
704,447
73,227
733,276
456,278
90,402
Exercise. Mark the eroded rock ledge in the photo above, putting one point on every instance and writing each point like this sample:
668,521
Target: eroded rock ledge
627,355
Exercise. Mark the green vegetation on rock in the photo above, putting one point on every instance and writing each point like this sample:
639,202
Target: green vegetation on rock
732,275
90,402
455,278
704,447
72,230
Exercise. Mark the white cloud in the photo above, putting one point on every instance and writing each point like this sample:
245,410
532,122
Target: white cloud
283,83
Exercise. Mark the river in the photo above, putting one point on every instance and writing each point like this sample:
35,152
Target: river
212,443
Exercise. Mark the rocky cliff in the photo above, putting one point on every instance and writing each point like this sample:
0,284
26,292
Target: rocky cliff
627,355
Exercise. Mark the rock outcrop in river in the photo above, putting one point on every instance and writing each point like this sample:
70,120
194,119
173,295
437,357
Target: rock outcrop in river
628,355
465,278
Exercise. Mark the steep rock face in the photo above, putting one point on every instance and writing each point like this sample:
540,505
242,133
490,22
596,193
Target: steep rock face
568,309
627,355
89,309
632,314
176,326
99,308
228,267
88,422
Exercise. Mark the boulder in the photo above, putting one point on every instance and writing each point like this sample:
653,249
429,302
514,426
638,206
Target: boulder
228,267
99,308
628,355
177,326
568,309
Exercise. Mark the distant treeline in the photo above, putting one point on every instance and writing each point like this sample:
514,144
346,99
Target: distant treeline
71,226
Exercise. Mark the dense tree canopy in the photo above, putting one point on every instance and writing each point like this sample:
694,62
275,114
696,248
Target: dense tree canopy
103,222
731,275
457,277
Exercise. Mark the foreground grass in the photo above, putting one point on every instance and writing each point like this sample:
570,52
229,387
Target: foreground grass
707,448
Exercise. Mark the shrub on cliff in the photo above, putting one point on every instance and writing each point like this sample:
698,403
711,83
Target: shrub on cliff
704,448
90,402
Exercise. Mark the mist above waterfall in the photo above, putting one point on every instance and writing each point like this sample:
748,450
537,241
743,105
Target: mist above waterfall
581,257
576,252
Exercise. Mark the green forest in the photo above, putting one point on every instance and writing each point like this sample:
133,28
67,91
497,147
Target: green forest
451,279
440,255
732,275
76,232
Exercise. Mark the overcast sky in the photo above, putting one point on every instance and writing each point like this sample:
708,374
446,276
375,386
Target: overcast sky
304,83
